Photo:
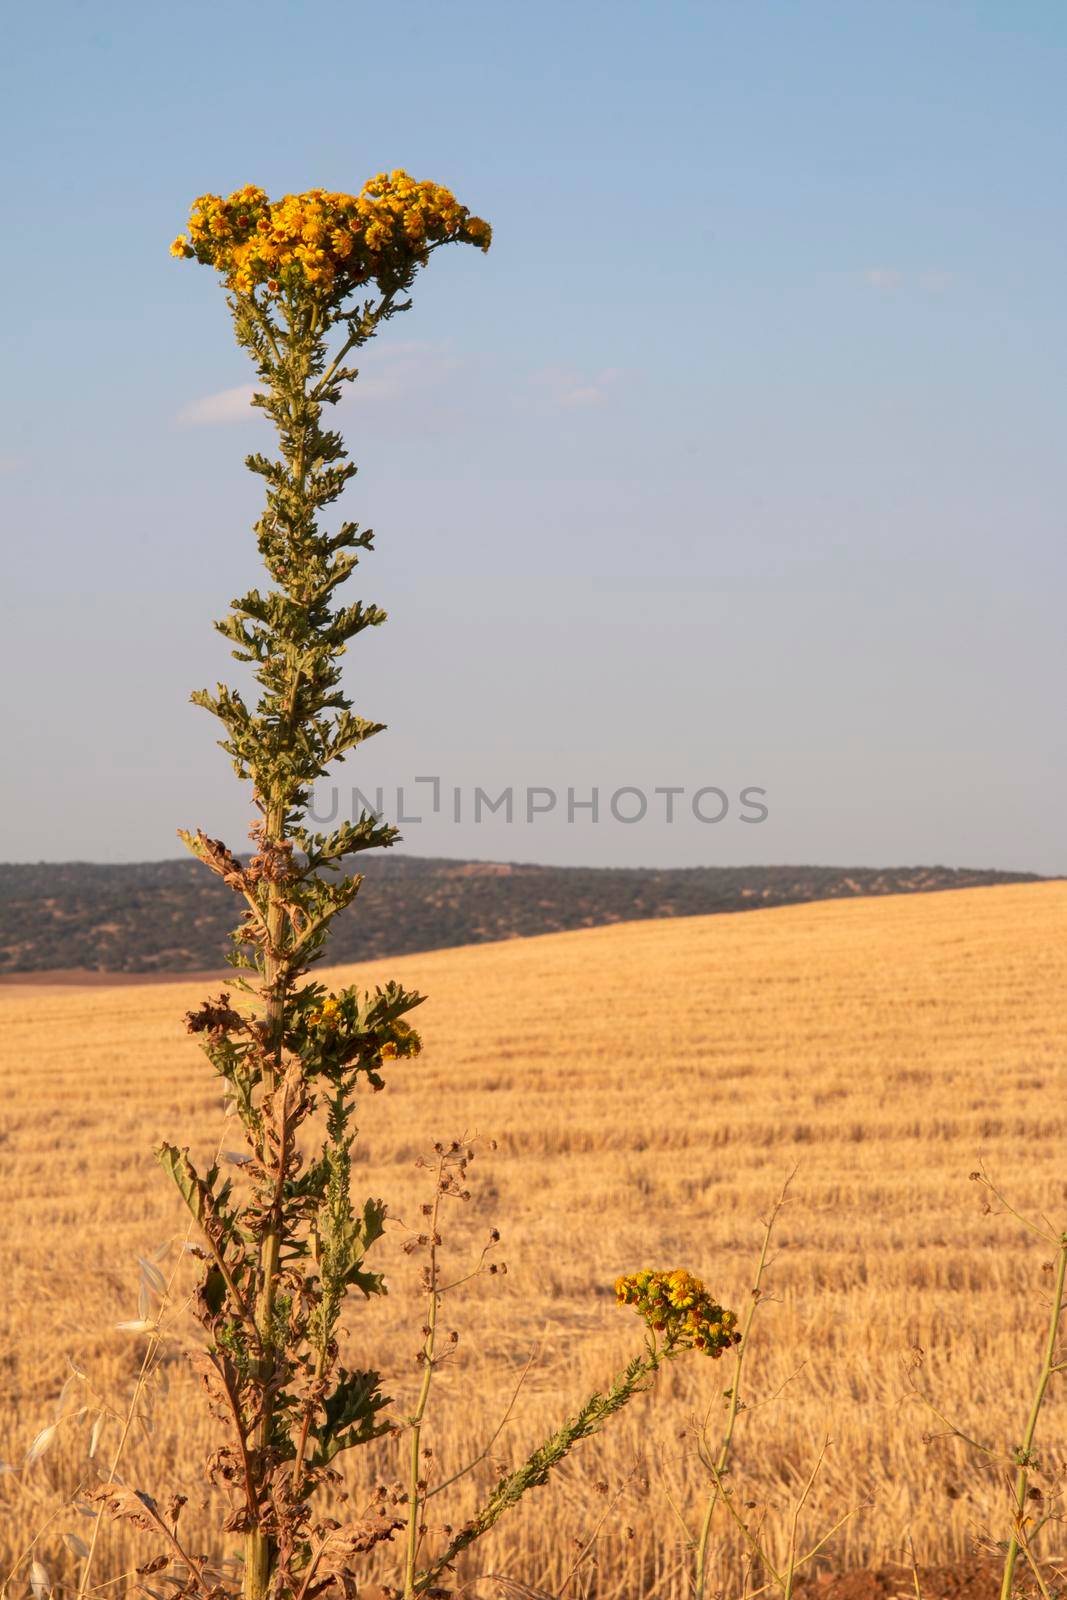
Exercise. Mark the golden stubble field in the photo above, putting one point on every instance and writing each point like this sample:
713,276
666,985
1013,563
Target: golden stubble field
649,1087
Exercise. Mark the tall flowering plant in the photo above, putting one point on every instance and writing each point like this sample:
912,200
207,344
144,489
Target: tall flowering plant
311,278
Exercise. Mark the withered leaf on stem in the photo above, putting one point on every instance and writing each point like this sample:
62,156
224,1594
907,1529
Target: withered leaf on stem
121,1501
354,1538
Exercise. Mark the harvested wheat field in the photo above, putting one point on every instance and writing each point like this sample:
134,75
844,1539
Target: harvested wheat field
648,1087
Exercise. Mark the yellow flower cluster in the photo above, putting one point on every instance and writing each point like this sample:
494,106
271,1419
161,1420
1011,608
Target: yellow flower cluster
330,242
677,1305
405,1042
327,1015
330,1014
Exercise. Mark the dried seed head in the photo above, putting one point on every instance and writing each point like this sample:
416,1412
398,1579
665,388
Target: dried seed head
41,1444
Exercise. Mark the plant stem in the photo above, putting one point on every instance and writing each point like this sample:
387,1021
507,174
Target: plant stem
537,1468
787,1592
415,1498
1022,1477
305,1427
701,1562
260,1549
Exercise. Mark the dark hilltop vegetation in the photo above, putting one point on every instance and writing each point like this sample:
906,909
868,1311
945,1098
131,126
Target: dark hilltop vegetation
174,916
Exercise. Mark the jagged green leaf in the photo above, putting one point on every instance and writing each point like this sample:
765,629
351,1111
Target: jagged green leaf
350,1415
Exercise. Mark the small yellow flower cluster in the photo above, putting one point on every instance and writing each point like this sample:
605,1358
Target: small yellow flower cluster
327,1015
678,1305
405,1042
330,242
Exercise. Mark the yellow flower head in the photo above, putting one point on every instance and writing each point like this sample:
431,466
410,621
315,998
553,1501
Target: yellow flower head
330,243
405,1042
327,1015
677,1305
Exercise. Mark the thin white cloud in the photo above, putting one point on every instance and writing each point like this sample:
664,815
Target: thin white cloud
386,373
405,367
886,280
228,405
568,388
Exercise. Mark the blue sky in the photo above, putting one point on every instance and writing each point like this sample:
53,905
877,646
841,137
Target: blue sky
736,463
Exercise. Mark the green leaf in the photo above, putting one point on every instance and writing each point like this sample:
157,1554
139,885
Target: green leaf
212,1292
191,1187
206,1206
350,1415
349,1242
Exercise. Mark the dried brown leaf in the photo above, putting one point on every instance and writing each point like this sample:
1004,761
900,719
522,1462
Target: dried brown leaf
352,1539
156,1564
132,1504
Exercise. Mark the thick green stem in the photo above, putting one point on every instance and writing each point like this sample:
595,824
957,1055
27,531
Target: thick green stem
260,1548
1022,1477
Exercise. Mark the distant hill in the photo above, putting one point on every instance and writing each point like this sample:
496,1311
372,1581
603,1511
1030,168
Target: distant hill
174,916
